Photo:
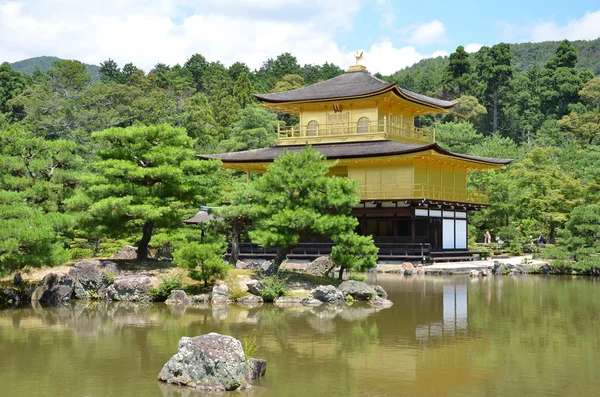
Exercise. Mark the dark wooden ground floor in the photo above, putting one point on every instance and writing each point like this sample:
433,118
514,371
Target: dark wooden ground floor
402,232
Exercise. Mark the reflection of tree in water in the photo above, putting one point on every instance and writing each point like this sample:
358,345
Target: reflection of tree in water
120,341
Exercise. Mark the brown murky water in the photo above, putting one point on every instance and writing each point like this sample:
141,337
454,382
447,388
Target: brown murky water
444,336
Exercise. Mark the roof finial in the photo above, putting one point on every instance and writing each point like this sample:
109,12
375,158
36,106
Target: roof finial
359,55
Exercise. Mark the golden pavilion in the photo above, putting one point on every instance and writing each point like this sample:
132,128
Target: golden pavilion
414,196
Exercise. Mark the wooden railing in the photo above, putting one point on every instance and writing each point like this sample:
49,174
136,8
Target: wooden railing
422,191
354,132
314,250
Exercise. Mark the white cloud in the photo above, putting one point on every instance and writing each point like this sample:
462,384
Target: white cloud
384,58
473,47
170,31
426,33
439,53
585,28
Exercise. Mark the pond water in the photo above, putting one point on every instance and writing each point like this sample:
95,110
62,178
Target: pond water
444,336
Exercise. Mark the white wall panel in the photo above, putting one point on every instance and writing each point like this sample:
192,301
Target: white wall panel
448,234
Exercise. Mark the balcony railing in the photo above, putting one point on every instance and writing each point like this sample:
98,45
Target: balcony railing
353,133
422,191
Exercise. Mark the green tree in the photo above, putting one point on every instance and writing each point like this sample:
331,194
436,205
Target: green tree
580,240
355,252
237,69
36,177
583,123
242,90
289,82
147,178
199,122
203,261
565,56
256,128
523,105
12,83
67,76
110,72
295,199
196,66
456,75
457,137
495,71
28,236
560,81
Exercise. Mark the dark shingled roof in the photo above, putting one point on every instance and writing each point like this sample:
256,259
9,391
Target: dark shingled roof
201,217
348,85
345,150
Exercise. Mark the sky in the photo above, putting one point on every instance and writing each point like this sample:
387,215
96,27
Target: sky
392,34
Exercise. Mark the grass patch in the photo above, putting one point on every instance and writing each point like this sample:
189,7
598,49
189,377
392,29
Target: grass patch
358,277
249,345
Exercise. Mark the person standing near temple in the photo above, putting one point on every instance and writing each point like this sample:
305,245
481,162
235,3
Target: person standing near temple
541,240
487,237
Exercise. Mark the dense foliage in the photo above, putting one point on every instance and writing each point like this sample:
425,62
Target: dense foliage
296,200
86,160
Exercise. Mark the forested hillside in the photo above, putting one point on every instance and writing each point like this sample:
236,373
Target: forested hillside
426,75
44,64
77,157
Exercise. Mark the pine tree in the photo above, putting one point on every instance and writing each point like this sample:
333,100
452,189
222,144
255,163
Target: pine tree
147,178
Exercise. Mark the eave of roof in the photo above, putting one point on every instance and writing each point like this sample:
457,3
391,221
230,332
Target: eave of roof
347,150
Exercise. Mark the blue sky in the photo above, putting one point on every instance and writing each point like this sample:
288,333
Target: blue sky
394,34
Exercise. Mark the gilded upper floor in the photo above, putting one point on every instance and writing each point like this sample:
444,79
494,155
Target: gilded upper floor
387,170
354,107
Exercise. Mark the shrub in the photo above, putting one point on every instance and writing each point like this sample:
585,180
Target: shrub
163,291
274,287
203,261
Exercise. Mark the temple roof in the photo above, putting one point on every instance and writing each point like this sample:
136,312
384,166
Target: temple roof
350,85
201,217
346,150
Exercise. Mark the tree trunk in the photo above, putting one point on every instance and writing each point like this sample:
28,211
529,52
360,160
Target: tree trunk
235,241
495,113
142,245
279,258
341,274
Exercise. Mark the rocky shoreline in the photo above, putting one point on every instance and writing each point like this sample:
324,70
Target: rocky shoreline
104,280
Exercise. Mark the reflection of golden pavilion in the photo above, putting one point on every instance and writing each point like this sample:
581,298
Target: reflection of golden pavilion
414,196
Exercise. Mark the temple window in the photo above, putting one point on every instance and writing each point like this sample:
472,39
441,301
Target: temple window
312,128
363,125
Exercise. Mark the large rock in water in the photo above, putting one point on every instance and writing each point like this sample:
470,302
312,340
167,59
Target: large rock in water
178,297
327,293
93,275
53,289
130,288
220,294
357,290
321,266
209,362
380,291
255,368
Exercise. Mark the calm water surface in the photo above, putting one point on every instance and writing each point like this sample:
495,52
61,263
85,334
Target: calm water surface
444,336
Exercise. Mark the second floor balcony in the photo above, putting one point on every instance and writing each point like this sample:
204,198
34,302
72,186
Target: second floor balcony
422,191
353,132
